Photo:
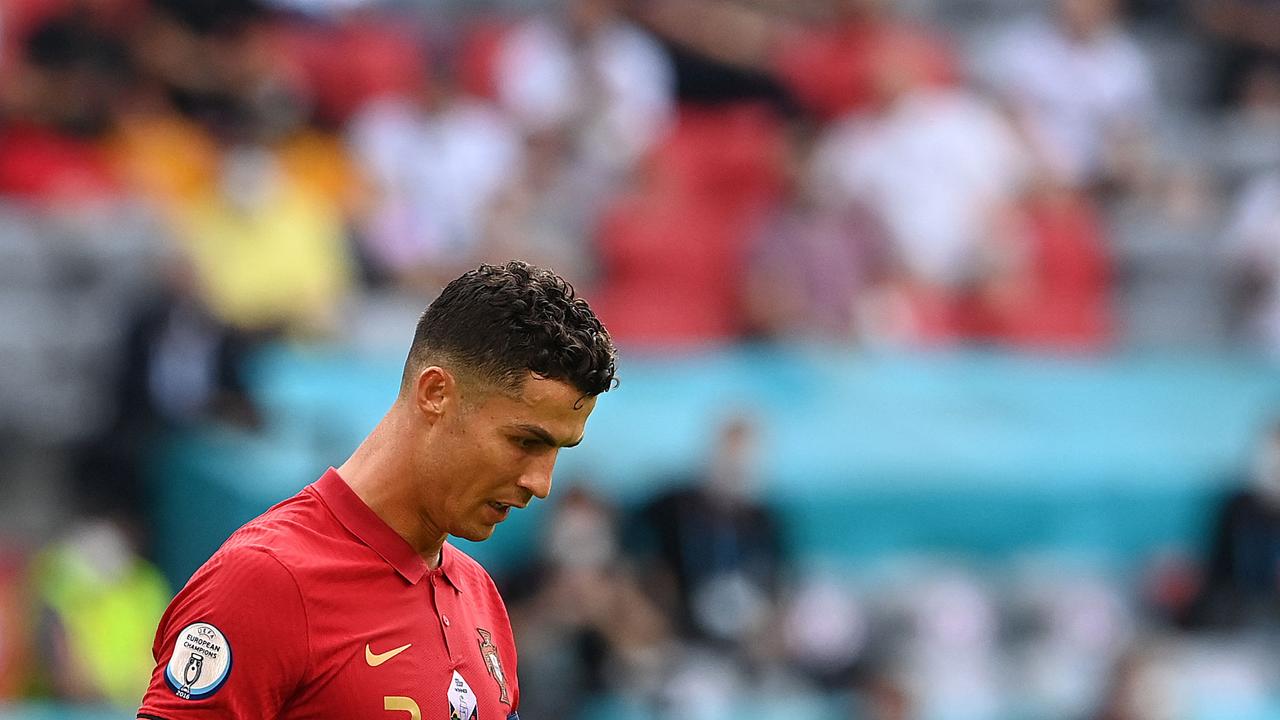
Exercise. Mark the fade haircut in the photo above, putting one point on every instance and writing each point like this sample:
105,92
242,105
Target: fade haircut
498,323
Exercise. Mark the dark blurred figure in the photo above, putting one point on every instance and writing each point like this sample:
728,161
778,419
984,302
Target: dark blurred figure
56,100
181,367
584,625
1242,581
824,55
718,547
1246,34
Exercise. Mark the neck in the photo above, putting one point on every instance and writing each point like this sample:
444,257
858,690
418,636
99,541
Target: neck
381,473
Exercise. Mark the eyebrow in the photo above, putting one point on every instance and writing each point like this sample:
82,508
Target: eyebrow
545,436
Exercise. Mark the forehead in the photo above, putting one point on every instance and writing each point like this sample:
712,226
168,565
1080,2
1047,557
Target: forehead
555,404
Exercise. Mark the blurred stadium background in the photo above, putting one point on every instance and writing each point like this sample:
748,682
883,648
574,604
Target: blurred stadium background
949,334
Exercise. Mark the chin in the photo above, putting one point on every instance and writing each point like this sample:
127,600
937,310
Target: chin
476,534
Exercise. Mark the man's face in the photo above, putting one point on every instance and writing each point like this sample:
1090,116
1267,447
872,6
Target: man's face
495,451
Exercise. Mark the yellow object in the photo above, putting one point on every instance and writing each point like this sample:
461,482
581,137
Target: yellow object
277,258
108,622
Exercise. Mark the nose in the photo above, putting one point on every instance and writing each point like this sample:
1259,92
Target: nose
537,477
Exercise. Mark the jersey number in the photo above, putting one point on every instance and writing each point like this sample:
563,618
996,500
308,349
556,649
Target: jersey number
402,703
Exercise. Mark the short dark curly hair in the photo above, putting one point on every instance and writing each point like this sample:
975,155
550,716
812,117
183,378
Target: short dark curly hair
501,322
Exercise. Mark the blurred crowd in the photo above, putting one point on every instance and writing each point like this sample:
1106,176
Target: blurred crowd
182,180
691,606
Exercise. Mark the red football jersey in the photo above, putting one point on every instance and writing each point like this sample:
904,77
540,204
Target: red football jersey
318,609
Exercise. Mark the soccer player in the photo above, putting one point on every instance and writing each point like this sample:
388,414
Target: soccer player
346,601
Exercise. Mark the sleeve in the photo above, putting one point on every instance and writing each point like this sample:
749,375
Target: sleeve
232,644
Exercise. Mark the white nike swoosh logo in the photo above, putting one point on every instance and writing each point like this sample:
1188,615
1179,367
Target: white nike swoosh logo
376,659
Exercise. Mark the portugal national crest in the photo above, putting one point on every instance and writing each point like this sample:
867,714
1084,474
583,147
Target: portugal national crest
489,652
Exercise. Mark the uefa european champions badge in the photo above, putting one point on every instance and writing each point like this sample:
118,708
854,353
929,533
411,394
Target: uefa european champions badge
462,702
201,662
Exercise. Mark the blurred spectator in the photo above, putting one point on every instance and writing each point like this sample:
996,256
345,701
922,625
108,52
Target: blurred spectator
672,250
939,167
1251,142
1082,90
827,55
1169,273
215,62
1242,581
836,649
100,604
813,261
719,548
584,625
1138,690
549,209
1067,629
1043,282
435,163
833,69
948,651
593,73
352,58
57,101
270,251
1253,252
181,366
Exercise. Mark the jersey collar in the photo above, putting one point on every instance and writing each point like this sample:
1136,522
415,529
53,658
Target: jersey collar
365,524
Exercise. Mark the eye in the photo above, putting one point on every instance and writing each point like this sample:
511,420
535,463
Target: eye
526,443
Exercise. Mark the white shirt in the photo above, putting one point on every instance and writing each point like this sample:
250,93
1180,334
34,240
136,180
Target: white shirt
1074,92
933,168
434,176
620,84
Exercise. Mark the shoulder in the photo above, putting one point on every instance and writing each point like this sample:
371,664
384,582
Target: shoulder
273,552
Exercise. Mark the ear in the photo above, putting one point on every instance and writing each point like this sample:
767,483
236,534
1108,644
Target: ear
434,392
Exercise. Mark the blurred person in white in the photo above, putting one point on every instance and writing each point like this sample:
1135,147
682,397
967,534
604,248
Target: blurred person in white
593,72
949,651
937,165
1069,624
586,627
1080,86
433,163
1242,578
1252,251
